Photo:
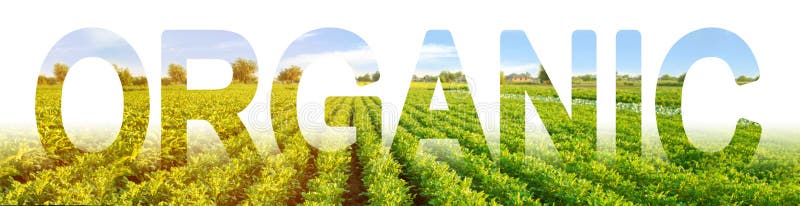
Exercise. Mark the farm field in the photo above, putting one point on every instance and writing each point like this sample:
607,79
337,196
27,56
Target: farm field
365,173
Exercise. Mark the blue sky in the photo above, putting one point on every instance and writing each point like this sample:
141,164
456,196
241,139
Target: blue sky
438,51
629,52
92,42
584,52
329,42
178,45
517,55
711,42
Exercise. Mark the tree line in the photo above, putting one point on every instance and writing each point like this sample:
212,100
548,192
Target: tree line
444,77
367,77
541,76
243,72
680,78
60,71
664,79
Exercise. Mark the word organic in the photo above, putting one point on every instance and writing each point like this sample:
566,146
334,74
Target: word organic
180,105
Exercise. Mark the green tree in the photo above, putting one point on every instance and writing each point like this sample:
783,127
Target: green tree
166,81
445,76
139,80
60,72
124,74
43,80
364,78
682,77
376,76
667,77
543,75
177,73
291,74
502,78
586,77
244,70
744,78
459,77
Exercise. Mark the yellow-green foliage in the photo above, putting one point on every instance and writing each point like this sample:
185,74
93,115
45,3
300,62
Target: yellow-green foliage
301,174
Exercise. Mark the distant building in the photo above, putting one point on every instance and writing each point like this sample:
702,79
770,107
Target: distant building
519,78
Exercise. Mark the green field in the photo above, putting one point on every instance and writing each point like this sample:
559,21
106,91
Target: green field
366,174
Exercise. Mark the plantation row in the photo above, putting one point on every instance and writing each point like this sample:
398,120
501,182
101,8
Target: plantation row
664,96
722,179
299,174
587,178
403,174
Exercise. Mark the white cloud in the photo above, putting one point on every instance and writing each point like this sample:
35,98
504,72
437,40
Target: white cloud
434,51
306,35
88,40
103,38
230,45
363,61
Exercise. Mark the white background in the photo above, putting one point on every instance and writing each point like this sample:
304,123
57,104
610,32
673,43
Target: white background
394,32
